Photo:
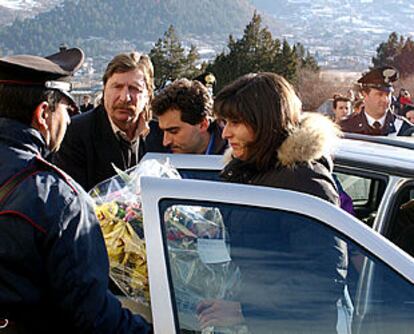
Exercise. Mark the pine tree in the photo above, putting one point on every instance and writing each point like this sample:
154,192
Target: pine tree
257,51
170,61
398,52
305,60
190,69
287,62
404,61
158,58
387,51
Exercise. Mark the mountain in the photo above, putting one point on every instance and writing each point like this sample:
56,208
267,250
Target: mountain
11,10
382,13
104,27
341,33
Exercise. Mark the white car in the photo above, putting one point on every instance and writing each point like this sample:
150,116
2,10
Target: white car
253,255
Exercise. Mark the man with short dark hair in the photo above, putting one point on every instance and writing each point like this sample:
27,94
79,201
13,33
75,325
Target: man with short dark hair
184,110
53,261
342,108
377,118
117,132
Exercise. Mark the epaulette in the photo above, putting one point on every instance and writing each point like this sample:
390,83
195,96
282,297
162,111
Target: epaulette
403,118
353,115
46,165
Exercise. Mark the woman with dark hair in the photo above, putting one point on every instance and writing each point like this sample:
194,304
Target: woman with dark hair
272,143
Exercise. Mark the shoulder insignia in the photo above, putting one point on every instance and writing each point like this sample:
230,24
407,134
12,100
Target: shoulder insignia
48,166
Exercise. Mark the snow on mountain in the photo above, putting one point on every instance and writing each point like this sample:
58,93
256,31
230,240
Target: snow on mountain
18,4
11,10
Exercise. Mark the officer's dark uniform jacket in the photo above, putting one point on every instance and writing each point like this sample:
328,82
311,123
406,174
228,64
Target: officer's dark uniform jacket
53,261
393,125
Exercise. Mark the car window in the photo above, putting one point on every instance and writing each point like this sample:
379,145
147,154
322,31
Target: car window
243,269
366,192
357,187
200,174
400,222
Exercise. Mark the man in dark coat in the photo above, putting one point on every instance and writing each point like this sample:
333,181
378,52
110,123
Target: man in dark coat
184,112
116,133
376,117
86,105
53,262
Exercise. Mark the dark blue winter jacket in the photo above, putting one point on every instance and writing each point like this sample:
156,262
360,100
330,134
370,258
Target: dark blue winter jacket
53,261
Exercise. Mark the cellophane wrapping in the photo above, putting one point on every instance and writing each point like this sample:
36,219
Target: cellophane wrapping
119,211
200,262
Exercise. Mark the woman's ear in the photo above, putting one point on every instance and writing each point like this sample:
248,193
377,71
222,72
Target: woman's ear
40,115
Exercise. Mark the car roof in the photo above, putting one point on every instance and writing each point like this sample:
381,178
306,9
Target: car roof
394,156
397,141
390,156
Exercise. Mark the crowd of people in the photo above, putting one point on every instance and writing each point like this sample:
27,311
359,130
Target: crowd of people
53,259
374,110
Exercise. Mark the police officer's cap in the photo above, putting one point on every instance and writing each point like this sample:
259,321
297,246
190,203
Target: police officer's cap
51,72
380,78
207,79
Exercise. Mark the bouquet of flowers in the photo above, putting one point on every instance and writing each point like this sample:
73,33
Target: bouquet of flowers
118,208
197,241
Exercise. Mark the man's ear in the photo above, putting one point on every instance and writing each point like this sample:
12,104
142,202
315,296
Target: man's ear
204,124
40,115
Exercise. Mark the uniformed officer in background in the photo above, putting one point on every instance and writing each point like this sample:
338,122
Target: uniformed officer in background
209,80
377,117
53,261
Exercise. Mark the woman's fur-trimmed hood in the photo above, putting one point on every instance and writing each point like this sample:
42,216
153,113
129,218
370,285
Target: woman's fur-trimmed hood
315,136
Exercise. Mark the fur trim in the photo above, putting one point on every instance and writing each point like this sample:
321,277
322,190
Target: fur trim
316,136
228,155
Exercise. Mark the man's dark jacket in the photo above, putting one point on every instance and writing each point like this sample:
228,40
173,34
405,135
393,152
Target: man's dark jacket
219,144
90,147
358,123
85,107
53,261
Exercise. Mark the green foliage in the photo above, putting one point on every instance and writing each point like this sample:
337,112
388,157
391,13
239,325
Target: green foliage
170,60
305,60
387,51
257,51
117,21
404,61
398,52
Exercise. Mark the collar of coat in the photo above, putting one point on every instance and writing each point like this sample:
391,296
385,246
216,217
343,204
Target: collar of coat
315,137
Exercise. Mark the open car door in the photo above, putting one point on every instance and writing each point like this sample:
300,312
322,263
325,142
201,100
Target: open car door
228,258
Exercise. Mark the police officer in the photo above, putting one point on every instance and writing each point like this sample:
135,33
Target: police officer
377,117
209,80
53,261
